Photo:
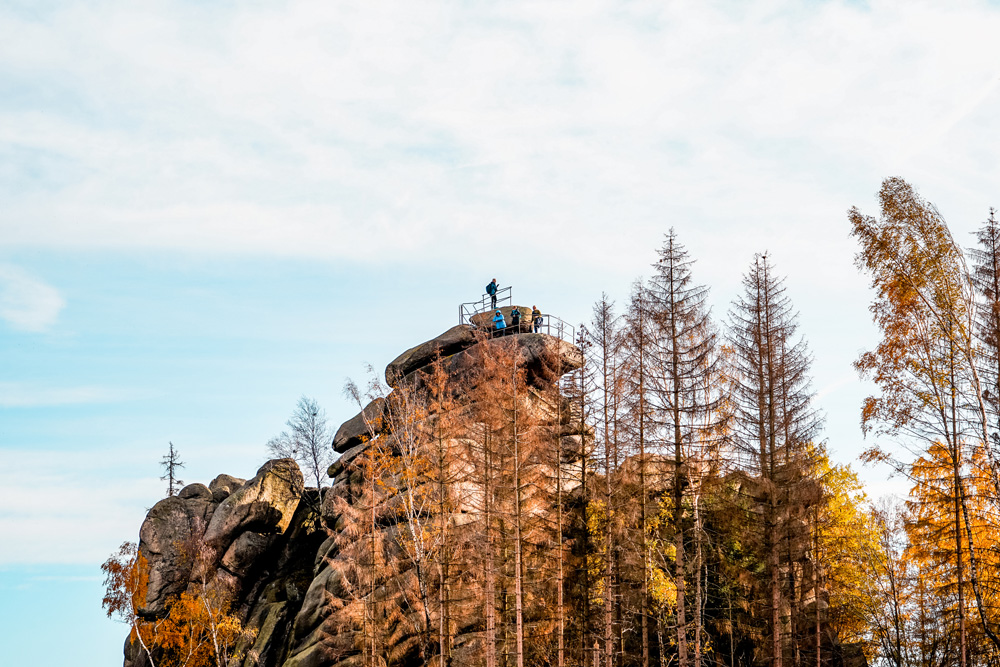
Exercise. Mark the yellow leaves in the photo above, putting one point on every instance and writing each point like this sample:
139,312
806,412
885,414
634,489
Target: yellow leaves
126,580
662,588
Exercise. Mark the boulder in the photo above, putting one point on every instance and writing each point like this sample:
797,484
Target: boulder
545,358
198,491
244,551
451,341
359,428
265,504
224,485
168,540
484,320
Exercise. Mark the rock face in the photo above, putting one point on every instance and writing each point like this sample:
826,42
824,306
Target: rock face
243,539
285,565
451,341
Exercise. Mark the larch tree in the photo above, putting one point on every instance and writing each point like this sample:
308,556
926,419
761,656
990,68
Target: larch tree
638,359
928,366
362,534
604,347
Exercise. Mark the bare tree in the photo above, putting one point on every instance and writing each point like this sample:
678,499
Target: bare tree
307,440
171,463
686,408
774,416
637,385
603,344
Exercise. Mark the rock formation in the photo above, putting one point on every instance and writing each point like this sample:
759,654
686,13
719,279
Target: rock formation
286,565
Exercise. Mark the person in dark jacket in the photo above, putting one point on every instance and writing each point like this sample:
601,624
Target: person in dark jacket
536,318
491,289
498,323
515,320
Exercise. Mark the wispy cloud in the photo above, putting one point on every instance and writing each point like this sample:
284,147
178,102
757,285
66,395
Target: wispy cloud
33,395
323,130
27,303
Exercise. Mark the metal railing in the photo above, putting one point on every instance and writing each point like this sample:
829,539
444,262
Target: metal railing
550,325
467,310
557,327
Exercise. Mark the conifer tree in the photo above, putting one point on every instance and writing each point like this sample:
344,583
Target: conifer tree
171,463
604,346
637,384
685,363
774,419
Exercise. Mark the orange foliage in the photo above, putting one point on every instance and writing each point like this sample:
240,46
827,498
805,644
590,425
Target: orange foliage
198,630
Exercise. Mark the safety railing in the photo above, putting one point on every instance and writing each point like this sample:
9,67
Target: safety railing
557,327
467,310
550,324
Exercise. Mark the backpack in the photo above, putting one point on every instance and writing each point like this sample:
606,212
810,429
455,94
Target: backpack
491,289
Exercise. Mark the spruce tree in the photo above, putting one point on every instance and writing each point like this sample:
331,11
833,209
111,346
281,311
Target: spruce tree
775,419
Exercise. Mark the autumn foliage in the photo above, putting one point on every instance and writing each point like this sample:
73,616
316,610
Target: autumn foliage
198,629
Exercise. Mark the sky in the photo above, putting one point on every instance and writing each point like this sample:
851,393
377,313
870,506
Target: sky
210,209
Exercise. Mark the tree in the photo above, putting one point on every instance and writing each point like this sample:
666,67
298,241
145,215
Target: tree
362,536
171,463
928,365
774,419
684,368
636,378
126,580
604,343
307,440
198,630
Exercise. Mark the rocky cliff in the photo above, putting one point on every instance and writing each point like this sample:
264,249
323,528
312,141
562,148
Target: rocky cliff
285,558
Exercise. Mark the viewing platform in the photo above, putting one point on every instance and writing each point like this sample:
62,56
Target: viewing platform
479,314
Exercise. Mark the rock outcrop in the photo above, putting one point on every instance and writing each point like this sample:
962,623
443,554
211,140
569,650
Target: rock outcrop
285,565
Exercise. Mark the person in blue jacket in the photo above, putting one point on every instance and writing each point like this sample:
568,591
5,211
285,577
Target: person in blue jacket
498,322
491,289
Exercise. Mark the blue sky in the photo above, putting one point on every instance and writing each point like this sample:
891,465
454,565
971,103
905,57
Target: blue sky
210,209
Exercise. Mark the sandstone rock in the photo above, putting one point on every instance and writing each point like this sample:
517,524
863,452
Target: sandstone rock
168,539
244,550
223,486
265,504
544,358
339,466
199,491
484,320
358,428
451,341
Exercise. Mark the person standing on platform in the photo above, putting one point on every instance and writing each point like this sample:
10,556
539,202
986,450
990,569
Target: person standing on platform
515,320
491,289
536,318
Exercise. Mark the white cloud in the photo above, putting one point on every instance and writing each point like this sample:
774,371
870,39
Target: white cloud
326,130
26,303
